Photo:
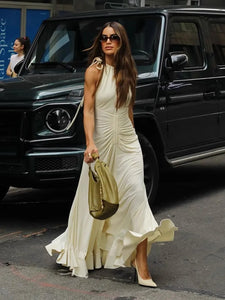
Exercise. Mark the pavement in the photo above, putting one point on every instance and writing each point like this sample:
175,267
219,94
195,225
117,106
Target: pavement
27,272
191,267
25,283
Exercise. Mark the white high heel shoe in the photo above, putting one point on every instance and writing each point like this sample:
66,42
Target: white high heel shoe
144,282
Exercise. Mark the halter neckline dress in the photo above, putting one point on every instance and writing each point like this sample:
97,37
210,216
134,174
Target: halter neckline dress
88,243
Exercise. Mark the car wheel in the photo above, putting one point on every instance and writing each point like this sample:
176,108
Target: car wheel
3,191
151,168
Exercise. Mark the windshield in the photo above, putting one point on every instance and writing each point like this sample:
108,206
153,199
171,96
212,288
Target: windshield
61,45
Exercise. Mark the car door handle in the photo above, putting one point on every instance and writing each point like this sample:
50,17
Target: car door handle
209,95
185,98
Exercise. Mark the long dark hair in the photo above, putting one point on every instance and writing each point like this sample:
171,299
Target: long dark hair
25,41
124,66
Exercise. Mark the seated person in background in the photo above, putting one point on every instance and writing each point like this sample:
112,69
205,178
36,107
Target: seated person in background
21,47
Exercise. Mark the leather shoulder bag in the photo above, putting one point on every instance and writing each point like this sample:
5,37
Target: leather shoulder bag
103,196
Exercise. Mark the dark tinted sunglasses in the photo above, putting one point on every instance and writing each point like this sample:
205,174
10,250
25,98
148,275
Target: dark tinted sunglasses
113,37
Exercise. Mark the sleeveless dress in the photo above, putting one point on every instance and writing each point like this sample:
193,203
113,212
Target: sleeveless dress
88,243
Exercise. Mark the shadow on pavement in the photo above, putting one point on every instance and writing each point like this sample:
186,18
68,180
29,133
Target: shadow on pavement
187,182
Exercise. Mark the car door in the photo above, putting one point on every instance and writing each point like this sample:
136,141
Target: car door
191,105
217,35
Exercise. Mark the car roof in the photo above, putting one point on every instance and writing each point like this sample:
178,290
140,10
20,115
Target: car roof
143,10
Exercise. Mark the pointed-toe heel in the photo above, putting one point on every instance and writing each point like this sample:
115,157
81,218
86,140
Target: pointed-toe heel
145,282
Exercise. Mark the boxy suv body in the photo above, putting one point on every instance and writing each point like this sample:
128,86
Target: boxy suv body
180,104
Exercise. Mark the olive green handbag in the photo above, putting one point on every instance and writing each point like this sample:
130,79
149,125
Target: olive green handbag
103,196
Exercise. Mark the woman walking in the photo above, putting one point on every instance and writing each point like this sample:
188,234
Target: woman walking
125,239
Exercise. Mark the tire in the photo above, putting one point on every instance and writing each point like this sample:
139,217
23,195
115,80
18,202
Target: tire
151,168
3,191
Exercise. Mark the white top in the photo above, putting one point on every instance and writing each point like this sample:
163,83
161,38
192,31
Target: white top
14,59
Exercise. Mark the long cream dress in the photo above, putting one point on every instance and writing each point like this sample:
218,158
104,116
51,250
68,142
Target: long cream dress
88,243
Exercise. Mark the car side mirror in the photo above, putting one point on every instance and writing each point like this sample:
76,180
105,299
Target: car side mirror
176,61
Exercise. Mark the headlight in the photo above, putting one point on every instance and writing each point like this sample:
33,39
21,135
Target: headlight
57,119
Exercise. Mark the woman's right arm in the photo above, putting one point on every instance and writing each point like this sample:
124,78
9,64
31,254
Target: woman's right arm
9,71
90,86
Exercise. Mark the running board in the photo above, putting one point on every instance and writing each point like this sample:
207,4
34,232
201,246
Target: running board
189,158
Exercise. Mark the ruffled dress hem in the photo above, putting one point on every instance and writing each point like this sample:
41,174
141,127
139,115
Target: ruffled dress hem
120,253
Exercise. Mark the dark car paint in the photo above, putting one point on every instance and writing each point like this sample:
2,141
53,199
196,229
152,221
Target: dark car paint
181,113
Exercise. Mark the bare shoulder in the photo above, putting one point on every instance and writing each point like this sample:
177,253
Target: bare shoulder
92,70
92,74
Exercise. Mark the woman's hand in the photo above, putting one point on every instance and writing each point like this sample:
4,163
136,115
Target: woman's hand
92,149
13,74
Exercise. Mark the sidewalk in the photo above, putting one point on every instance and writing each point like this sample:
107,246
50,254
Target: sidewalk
31,283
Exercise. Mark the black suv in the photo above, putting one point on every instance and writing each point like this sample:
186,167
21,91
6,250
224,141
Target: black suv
180,104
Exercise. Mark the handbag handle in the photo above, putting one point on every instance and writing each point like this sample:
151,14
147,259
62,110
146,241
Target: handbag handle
75,116
95,156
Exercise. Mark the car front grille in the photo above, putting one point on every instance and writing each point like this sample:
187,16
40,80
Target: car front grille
56,164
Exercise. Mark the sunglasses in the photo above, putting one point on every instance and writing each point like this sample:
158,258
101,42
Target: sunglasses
113,37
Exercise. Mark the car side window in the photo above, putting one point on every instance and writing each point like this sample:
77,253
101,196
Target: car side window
217,32
56,49
144,36
184,37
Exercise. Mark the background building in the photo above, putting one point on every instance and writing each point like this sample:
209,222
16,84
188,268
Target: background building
23,18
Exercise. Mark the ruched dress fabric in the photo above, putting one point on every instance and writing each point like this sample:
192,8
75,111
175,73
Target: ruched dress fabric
88,243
